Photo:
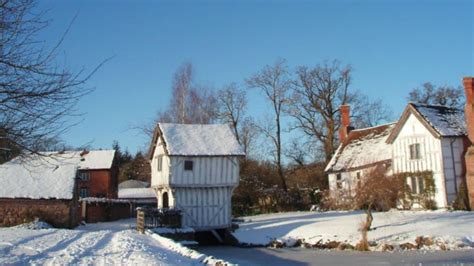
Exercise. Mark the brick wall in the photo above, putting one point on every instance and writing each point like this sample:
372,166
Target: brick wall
102,184
469,113
106,211
59,213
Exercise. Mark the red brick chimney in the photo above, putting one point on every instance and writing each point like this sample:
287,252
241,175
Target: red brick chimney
469,114
345,122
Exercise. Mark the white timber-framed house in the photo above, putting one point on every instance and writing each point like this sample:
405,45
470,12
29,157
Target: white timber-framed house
195,169
431,138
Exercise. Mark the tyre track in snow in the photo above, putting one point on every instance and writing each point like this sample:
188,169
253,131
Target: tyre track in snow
71,252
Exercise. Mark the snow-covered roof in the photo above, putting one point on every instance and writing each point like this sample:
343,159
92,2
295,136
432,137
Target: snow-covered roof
136,193
100,159
446,121
441,121
198,140
362,147
39,177
133,184
49,175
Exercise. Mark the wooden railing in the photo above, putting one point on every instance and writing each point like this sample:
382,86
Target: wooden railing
153,218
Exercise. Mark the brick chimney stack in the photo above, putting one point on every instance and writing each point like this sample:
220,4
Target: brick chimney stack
345,122
469,114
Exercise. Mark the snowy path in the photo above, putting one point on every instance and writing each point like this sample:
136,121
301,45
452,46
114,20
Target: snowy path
103,243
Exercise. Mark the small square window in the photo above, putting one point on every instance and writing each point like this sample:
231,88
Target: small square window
84,192
84,176
188,165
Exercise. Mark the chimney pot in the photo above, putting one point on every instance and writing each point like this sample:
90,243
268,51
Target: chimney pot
469,89
345,122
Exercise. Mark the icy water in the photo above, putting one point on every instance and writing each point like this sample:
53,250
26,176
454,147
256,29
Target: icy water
301,256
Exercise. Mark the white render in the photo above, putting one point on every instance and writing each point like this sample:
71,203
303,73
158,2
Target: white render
203,194
436,156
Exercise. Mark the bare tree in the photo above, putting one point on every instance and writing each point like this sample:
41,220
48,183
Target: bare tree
232,103
189,104
36,94
180,90
443,95
367,112
275,83
318,94
248,133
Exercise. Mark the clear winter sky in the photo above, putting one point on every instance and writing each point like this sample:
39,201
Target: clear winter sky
393,46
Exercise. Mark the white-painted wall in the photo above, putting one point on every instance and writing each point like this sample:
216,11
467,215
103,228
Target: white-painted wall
207,171
160,178
436,156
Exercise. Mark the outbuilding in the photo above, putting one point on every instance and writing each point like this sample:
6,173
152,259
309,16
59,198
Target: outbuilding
195,169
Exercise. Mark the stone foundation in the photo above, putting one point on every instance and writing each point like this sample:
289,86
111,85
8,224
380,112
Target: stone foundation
58,213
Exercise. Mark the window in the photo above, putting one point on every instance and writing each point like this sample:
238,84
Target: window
188,165
417,184
339,181
84,176
415,151
159,163
84,192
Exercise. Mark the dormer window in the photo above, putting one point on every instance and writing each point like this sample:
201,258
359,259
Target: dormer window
415,153
188,165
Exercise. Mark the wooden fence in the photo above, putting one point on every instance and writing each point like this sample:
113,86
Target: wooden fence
153,218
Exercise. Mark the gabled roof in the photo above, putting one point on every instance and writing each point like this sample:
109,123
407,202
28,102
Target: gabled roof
133,184
196,140
362,148
48,175
99,159
441,121
136,193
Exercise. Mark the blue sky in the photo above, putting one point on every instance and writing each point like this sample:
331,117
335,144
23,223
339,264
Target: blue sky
393,46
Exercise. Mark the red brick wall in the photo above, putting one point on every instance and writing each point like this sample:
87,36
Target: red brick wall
106,211
102,183
469,113
59,213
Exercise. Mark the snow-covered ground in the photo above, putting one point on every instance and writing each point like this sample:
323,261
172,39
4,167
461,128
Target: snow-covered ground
454,230
109,243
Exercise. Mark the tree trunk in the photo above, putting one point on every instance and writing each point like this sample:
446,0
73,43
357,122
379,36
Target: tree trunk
369,218
279,167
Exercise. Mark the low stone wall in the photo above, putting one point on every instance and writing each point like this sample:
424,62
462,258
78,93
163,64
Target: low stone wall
58,213
105,211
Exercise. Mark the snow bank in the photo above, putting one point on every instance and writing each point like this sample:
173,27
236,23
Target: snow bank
35,225
452,229
185,251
